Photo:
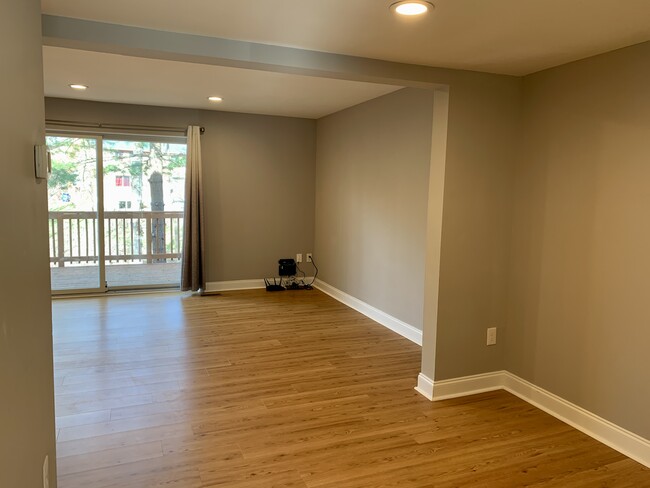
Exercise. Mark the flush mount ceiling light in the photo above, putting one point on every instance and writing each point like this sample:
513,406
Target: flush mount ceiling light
411,7
76,86
215,99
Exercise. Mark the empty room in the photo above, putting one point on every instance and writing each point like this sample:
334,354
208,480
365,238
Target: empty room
325,244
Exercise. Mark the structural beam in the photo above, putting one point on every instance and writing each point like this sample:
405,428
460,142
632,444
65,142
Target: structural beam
173,46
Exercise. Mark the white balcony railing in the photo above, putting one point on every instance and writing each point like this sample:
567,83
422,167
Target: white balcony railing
129,237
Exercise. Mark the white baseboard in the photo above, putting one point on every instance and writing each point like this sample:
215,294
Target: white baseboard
425,386
618,438
234,285
396,325
467,385
610,434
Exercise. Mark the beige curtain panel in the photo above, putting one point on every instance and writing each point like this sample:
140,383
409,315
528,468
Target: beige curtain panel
193,262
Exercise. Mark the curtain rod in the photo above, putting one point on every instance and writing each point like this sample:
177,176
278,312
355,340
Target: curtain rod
90,125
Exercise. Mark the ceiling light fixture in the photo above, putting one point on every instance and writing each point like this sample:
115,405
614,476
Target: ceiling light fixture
411,7
215,99
76,86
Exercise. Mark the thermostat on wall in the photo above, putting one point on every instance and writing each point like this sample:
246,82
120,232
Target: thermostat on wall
42,162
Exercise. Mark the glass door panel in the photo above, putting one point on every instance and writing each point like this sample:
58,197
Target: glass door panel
144,187
74,225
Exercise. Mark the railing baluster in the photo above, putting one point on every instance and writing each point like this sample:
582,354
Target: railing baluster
131,231
78,238
165,227
87,246
70,237
116,251
171,235
52,238
95,249
60,241
123,237
140,237
148,237
119,241
110,252
80,245
138,234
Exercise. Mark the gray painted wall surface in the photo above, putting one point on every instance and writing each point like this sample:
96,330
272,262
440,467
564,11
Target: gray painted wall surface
484,130
27,432
259,181
371,201
578,306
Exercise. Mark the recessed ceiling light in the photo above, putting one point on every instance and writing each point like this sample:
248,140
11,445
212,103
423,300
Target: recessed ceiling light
411,7
75,86
215,99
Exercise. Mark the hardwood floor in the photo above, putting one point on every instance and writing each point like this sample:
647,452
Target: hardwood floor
256,389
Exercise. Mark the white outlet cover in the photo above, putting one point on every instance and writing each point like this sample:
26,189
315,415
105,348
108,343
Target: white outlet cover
491,336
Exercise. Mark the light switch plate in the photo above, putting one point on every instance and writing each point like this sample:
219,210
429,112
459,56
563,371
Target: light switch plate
491,336
46,472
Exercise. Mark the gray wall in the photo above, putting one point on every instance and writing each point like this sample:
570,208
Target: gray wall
371,201
26,377
484,130
580,274
258,179
371,213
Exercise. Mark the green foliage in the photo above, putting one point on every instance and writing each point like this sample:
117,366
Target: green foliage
142,158
64,175
112,168
74,171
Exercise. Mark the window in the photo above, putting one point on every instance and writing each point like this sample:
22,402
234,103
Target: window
122,180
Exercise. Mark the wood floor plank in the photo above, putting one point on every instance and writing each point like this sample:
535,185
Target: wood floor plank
121,439
254,389
83,419
124,425
108,458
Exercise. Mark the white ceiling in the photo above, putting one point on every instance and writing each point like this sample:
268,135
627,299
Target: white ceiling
502,36
125,79
514,37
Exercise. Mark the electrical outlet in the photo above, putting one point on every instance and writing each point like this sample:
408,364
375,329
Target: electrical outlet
46,472
309,260
298,258
491,336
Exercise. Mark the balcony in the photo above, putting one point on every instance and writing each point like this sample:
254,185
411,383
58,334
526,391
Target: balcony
141,249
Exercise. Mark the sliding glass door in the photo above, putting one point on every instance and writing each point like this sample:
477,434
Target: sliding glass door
115,212
144,185
74,221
